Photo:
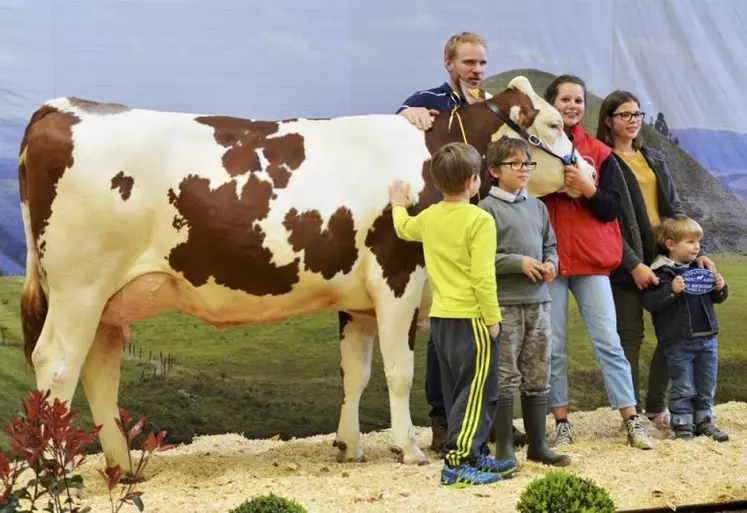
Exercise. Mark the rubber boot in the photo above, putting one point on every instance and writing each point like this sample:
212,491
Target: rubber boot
520,439
534,411
503,429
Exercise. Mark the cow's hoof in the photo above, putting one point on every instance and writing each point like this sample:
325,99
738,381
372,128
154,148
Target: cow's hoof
414,457
345,455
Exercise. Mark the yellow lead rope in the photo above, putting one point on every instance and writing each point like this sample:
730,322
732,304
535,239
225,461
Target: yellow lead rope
461,128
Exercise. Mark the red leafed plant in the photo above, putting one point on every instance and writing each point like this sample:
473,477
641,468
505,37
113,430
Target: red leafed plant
43,440
152,444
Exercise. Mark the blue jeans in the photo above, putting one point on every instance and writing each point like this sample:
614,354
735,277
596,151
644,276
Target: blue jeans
433,392
693,365
593,294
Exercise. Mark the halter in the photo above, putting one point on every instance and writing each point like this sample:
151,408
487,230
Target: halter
531,138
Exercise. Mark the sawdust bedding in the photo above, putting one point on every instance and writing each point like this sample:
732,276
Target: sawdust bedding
216,473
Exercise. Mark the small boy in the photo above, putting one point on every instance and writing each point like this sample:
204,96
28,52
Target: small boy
459,245
526,260
686,328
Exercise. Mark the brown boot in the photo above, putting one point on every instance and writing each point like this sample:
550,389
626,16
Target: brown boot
439,430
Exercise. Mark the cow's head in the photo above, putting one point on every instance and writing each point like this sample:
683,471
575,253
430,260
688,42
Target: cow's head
549,142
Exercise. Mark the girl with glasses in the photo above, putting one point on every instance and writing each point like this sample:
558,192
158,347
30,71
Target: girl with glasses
648,196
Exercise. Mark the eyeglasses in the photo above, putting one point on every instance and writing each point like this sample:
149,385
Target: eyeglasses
626,116
516,166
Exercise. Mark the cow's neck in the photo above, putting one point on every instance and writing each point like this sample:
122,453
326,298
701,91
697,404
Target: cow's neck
473,124
479,125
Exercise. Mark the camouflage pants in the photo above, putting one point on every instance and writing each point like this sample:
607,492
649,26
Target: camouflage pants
524,350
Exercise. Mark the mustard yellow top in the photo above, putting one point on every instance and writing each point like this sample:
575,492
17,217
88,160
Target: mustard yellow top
647,182
459,242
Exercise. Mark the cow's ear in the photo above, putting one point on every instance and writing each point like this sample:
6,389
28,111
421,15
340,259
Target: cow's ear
522,84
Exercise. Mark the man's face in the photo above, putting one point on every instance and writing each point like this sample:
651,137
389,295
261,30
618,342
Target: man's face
468,64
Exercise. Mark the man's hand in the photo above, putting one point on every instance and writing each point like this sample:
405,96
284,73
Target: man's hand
704,261
678,285
494,330
549,272
644,276
720,282
399,193
532,268
420,117
578,182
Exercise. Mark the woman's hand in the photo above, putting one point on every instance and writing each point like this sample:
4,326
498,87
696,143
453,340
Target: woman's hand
644,276
575,180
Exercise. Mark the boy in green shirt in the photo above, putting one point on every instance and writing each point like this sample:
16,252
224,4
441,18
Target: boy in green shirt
459,242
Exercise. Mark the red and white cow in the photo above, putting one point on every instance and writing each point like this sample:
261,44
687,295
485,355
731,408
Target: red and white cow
130,212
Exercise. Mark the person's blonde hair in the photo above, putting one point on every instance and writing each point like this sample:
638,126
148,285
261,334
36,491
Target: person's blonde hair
462,37
677,229
452,165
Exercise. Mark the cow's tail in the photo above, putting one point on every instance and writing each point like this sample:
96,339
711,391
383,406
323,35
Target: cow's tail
33,299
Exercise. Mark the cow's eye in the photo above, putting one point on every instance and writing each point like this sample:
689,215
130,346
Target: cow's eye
556,126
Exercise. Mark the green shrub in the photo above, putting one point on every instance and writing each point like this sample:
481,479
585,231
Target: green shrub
270,503
560,492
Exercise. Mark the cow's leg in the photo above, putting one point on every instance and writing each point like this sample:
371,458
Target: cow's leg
62,347
356,345
101,372
397,322
64,343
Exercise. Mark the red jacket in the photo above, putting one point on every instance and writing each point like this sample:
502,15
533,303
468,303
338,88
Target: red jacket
586,244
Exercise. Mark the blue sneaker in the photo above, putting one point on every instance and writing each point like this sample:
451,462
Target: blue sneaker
506,468
465,475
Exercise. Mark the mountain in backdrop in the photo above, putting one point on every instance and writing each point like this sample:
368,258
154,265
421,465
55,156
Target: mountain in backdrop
706,196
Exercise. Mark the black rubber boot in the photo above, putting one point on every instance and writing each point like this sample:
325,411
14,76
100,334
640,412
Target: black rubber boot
534,410
503,429
520,439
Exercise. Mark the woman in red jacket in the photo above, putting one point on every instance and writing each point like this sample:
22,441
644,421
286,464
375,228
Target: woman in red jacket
589,248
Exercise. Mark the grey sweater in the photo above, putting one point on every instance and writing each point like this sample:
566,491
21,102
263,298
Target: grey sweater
524,229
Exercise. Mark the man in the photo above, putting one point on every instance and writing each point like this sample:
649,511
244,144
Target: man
465,60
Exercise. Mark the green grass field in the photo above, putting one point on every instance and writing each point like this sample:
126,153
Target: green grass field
284,378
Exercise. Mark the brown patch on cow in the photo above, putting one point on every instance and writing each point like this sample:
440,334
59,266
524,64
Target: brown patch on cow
224,242
97,107
413,330
124,183
343,319
399,258
242,137
329,251
22,177
284,154
245,138
46,152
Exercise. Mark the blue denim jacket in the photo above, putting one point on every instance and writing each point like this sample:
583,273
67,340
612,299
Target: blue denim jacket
672,313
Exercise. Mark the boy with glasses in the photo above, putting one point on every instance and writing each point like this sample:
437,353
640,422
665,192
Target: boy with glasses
526,260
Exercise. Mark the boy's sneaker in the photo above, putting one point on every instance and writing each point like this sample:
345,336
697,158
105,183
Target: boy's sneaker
637,436
709,429
683,432
506,468
563,433
465,475
661,420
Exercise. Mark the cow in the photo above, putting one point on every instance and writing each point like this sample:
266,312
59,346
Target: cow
130,212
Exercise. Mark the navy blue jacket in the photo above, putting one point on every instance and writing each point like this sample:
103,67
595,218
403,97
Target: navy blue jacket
676,316
442,98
